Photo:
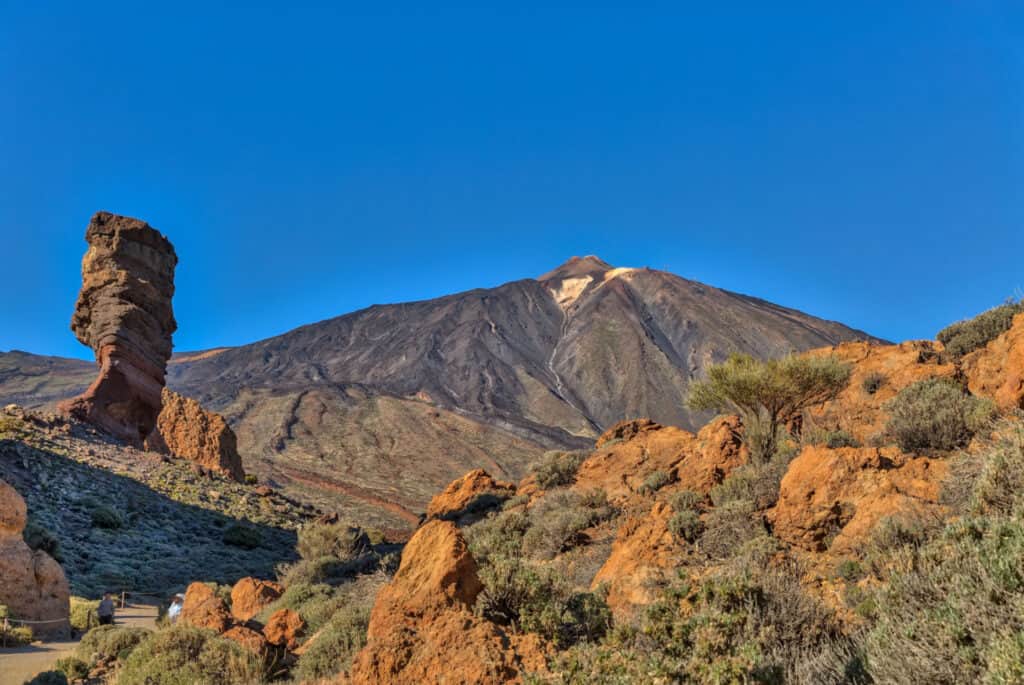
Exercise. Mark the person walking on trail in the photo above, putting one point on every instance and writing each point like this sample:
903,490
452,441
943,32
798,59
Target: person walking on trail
106,610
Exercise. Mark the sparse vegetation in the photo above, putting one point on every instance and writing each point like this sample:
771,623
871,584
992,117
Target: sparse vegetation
106,517
966,336
655,481
73,668
767,394
558,520
936,414
239,535
183,655
83,614
339,640
873,382
556,469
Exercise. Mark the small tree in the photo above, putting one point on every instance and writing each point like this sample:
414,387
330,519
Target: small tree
767,394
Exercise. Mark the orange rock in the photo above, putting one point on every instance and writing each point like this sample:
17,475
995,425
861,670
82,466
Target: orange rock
422,628
248,638
467,495
187,430
861,413
643,552
203,609
841,494
695,462
626,430
250,596
32,584
284,628
997,370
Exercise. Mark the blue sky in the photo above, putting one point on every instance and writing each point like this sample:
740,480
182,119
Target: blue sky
863,163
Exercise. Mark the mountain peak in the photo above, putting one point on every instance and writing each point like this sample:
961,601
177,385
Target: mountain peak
578,267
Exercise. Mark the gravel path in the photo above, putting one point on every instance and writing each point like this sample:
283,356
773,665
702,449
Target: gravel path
21,664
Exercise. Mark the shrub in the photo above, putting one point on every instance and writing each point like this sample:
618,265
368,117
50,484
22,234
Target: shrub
498,536
183,655
39,538
238,535
686,525
833,439
935,414
72,667
558,520
110,642
992,481
556,469
105,517
251,479
83,614
685,500
655,481
728,527
873,382
767,394
966,336
337,540
849,570
339,640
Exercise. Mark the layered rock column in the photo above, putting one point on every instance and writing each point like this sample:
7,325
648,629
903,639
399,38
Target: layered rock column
124,314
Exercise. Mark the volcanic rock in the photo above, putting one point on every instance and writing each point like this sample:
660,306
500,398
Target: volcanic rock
32,584
997,370
204,609
124,314
833,498
422,627
187,430
250,596
471,494
250,639
284,628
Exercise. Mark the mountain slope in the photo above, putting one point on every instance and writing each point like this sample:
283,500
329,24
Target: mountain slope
375,410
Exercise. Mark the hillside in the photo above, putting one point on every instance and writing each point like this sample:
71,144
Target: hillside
373,411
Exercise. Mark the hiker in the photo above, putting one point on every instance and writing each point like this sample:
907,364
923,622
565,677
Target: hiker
177,602
106,610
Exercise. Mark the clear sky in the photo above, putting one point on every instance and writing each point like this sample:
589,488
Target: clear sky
861,161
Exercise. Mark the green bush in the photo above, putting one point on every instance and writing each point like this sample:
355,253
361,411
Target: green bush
972,334
72,667
39,538
338,641
873,382
936,414
655,481
686,500
558,519
686,525
106,517
556,469
183,655
338,540
109,642
990,482
766,394
238,535
83,614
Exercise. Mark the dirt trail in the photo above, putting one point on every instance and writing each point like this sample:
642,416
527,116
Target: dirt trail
21,664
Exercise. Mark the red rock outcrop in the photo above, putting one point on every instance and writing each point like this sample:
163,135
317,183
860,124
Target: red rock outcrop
694,462
284,628
833,498
186,430
997,370
466,495
422,628
250,596
124,314
861,412
32,584
204,609
250,639
643,551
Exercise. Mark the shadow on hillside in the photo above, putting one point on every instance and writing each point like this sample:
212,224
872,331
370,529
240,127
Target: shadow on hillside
115,533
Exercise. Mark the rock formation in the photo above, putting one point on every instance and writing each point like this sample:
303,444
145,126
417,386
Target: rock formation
204,609
124,314
473,493
250,596
997,370
423,630
32,585
186,430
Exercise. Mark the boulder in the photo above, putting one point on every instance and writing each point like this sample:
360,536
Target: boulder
250,596
422,627
204,609
32,584
186,430
832,499
250,639
124,314
997,370
284,628
473,493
